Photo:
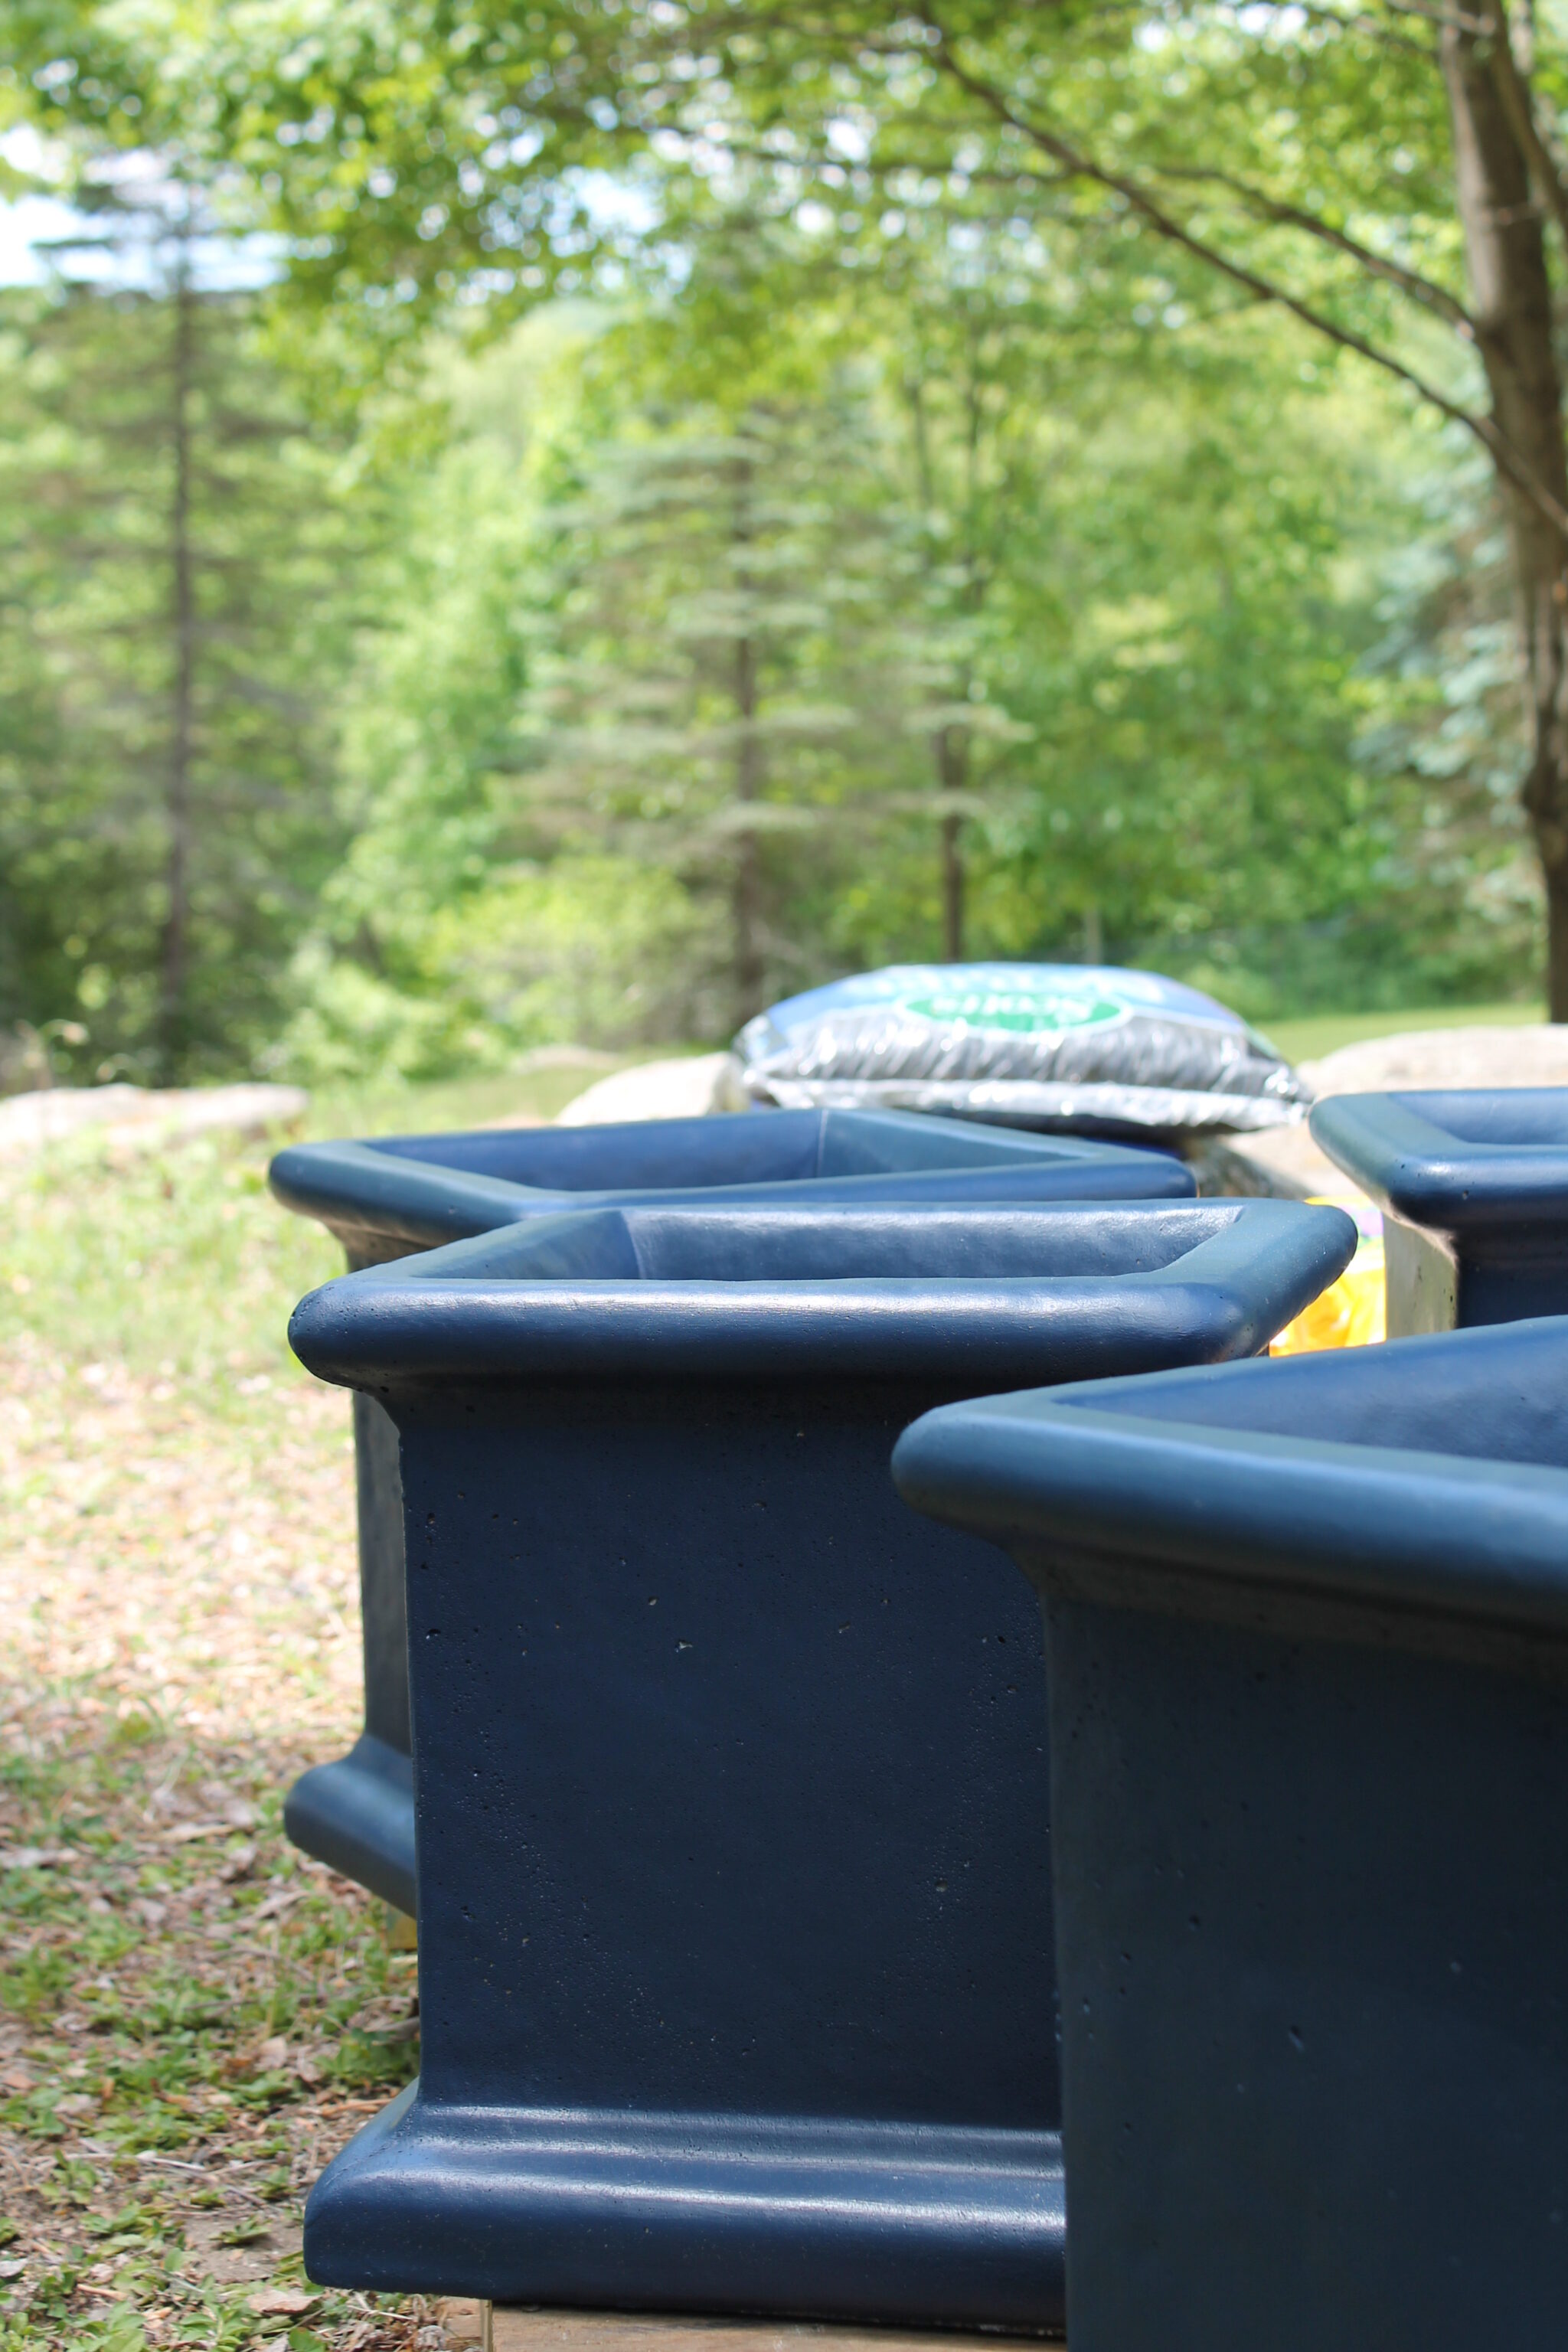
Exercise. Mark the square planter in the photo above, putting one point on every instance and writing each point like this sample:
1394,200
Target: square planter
396,1193
1307,1643
388,1199
733,1827
1474,1187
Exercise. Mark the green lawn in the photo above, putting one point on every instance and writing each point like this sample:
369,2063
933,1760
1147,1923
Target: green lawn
1317,1034
177,1261
453,1103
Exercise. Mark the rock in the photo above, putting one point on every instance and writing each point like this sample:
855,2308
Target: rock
684,1087
463,2318
141,1115
283,2303
1534,1053
1283,1162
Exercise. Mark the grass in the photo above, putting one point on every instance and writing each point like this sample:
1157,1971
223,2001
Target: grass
1309,1039
192,2020
177,1261
451,1103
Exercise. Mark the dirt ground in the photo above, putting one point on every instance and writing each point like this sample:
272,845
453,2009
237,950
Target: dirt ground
192,2018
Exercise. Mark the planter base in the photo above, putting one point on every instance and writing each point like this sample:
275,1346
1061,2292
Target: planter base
357,1816
931,2226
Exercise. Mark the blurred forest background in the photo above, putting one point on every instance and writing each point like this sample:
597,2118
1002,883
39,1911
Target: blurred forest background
480,568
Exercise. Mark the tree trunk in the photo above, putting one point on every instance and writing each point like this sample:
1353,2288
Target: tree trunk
950,744
952,748
747,902
173,1024
748,897
1511,304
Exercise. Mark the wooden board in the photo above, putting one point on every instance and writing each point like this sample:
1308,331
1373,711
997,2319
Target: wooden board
507,2330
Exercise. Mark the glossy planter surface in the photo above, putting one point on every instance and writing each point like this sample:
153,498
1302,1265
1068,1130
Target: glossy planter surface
1474,1186
1306,1639
385,1200
734,1923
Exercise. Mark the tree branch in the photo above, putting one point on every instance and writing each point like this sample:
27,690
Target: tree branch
881,167
1484,429
1367,25
1421,289
1409,281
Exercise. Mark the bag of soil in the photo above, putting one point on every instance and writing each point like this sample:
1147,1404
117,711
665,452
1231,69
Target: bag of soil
1083,1048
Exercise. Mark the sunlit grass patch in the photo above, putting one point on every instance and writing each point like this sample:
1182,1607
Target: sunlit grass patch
174,1261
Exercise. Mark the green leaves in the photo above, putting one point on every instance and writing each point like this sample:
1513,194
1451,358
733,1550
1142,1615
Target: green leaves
1069,578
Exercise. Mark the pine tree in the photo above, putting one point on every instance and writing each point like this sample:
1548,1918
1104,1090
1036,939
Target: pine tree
724,666
181,573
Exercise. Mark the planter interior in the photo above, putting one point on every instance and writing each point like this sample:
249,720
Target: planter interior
1307,1667
734,1918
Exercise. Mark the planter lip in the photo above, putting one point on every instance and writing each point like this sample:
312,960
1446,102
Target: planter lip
1078,1479
1398,1148
461,1314
401,1188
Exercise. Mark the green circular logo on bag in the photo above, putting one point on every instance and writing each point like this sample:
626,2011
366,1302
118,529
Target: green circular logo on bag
1047,1009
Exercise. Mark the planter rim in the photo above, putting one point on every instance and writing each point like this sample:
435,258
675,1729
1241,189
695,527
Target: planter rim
460,1314
1396,1146
1084,1483
400,1187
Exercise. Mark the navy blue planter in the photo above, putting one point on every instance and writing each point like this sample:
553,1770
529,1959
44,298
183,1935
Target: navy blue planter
1474,1191
734,1918
388,1199
1307,1640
